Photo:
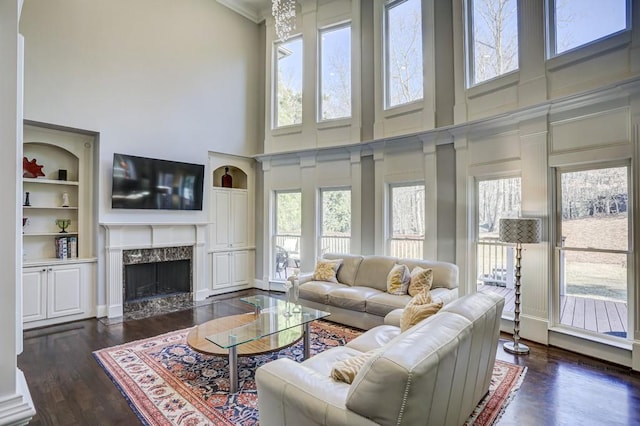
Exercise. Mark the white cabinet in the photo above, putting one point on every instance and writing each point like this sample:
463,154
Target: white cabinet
230,268
230,218
52,292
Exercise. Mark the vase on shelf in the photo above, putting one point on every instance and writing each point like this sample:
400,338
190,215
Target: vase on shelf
27,203
227,180
63,224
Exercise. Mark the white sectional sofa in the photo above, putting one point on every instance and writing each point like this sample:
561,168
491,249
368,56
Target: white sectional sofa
360,297
434,373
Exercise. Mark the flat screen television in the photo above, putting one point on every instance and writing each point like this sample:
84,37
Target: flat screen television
149,183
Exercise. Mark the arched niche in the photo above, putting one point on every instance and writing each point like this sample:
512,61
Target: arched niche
238,176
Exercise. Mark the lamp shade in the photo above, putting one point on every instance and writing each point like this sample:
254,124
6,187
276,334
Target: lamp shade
524,231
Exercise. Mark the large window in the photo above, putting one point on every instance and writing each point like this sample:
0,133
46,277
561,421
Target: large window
403,52
288,83
406,214
592,249
288,226
493,38
335,72
496,199
335,230
574,23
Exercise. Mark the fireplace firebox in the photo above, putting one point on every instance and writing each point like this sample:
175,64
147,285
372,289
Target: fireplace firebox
156,279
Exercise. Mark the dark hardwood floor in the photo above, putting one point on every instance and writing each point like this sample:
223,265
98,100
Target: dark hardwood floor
69,388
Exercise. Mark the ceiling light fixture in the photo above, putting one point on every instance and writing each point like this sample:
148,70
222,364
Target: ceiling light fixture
284,13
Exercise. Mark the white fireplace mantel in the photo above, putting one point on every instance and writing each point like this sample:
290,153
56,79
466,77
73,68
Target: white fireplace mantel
128,236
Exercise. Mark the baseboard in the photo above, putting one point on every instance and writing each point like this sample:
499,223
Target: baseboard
261,284
202,294
635,357
101,311
17,409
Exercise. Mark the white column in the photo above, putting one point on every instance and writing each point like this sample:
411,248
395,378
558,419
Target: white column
267,224
308,246
356,202
463,216
532,88
430,246
381,222
16,406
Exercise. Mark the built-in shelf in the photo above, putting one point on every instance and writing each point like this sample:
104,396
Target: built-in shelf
49,234
49,208
48,261
50,181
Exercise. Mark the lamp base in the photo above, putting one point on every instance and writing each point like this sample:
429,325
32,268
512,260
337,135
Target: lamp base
519,350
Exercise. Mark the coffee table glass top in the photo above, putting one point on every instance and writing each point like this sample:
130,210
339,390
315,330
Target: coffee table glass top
272,316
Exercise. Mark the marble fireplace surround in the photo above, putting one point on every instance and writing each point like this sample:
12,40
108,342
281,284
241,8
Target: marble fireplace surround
123,239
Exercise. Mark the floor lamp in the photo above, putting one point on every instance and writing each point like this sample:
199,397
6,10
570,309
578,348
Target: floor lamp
518,231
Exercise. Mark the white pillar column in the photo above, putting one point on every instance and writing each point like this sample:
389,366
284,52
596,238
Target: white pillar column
16,406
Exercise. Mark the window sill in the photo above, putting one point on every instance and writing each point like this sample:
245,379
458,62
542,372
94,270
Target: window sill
493,85
593,337
333,124
287,130
584,52
404,109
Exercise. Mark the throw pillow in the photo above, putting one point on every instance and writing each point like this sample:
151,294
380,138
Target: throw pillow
326,270
398,280
346,370
418,308
420,279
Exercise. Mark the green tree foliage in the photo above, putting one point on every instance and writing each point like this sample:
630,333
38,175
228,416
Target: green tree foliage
289,213
336,212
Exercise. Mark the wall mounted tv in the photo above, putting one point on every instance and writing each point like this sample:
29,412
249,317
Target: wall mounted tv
148,183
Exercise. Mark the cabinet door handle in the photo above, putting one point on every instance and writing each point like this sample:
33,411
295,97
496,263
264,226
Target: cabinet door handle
44,269
50,269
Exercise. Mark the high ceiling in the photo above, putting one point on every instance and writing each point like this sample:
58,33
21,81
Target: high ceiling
255,10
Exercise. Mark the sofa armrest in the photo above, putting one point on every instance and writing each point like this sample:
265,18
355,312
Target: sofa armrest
290,393
302,278
394,317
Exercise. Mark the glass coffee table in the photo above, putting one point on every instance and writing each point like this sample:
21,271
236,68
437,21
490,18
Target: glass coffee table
273,325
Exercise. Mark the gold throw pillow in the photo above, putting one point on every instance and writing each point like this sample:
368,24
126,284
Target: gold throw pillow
326,270
420,279
346,370
398,280
418,308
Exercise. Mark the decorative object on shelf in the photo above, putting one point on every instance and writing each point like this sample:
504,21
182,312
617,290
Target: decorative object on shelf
63,224
62,174
284,14
25,222
65,199
30,169
518,231
227,180
27,202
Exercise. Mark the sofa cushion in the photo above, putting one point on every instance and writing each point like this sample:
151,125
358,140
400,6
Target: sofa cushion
324,361
327,270
349,268
353,298
419,308
445,274
421,279
383,303
374,338
318,291
444,295
398,280
373,272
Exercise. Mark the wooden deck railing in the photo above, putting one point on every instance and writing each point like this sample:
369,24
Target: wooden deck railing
494,261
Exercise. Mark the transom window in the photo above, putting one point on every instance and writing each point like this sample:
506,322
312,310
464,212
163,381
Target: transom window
288,83
403,52
574,23
492,28
406,215
335,72
335,231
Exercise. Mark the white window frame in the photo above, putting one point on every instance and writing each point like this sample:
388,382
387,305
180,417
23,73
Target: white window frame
389,207
275,235
470,47
390,4
321,215
558,249
274,84
550,18
334,27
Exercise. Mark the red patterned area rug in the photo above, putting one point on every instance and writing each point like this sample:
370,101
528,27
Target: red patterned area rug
167,383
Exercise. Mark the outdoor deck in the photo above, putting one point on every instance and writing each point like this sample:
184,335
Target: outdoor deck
601,316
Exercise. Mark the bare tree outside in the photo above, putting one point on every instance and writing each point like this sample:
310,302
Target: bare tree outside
335,73
404,70
289,83
497,198
407,220
495,38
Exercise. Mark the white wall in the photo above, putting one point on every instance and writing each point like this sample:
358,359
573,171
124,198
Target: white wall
161,78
